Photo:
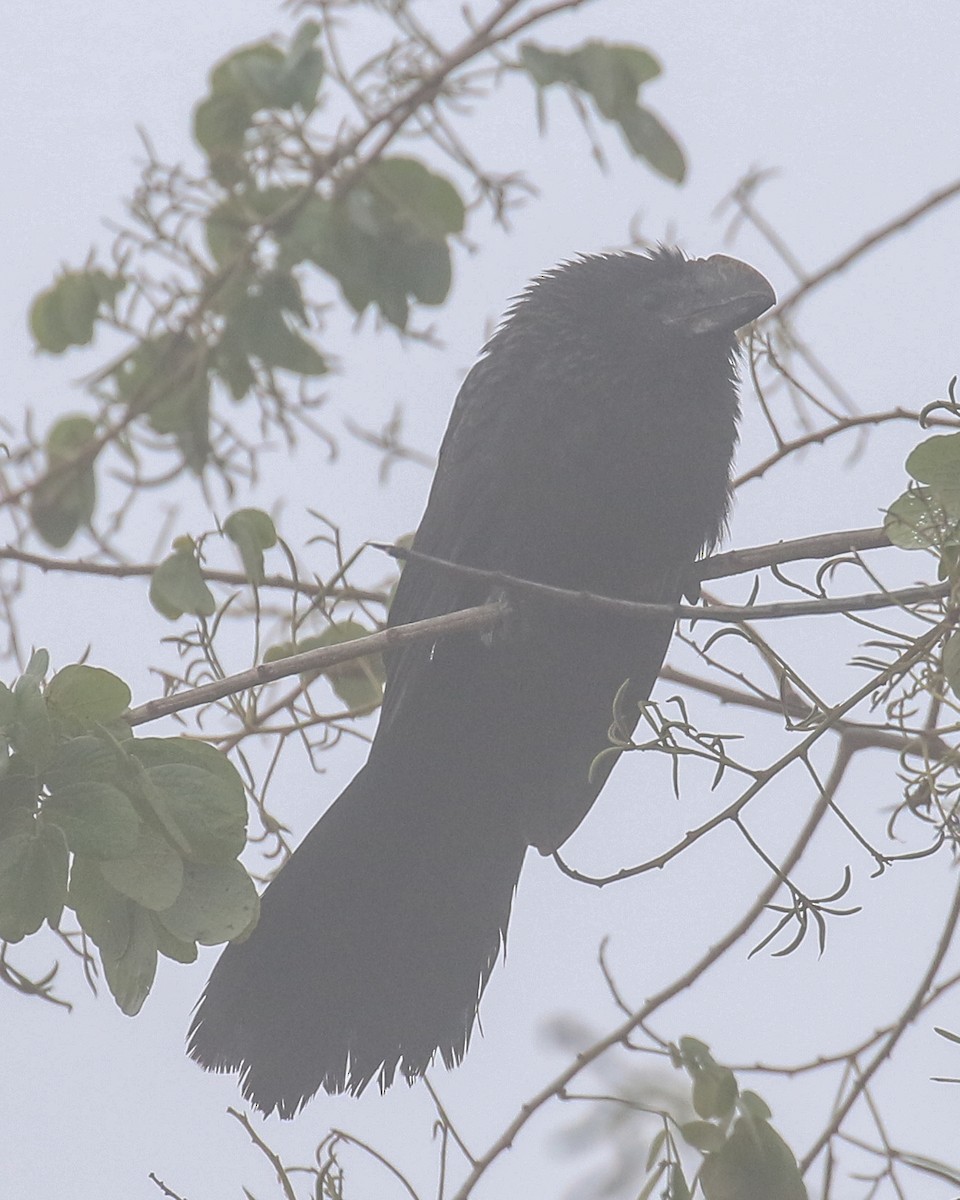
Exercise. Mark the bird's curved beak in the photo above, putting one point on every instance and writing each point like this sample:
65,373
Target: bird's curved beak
721,295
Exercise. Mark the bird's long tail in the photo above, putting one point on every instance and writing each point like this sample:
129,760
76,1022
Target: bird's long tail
373,947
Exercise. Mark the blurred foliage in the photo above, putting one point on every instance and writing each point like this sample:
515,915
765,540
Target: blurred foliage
927,516
612,75
290,201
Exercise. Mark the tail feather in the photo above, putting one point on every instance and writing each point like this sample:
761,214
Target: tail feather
374,945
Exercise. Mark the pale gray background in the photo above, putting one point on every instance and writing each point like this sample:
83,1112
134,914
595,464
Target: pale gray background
857,106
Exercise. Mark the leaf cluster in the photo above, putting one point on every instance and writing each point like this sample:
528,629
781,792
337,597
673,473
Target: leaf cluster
611,75
139,837
285,205
178,587
927,517
744,1158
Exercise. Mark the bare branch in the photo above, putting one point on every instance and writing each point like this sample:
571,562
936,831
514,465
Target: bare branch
880,234
622,1032
886,1050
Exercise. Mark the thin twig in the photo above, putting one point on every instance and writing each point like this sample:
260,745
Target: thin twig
622,1032
881,233
885,1051
271,1155
480,619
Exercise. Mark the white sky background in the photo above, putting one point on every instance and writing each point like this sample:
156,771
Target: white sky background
857,105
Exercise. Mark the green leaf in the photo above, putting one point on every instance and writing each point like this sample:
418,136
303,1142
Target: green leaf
144,374
385,241
261,76
79,301
178,587
702,1135
426,203
279,289
210,815
227,228
108,287
755,1163
86,758
547,66
304,68
38,665
656,1146
47,324
63,502
218,903
937,462
359,683
425,270
220,124
130,975
258,328
275,344
105,915
88,695
204,809
755,1106
306,234
152,875
951,662
61,506
33,734
714,1091
19,798
288,649
253,75
97,818
33,878
170,946
915,521
677,1188
233,367
945,1033
167,378
252,532
185,412
66,314
8,707
647,1190
152,752
649,138
612,74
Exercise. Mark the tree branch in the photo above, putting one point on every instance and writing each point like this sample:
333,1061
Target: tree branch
480,619
622,1032
860,248
799,751
724,613
145,571
909,1015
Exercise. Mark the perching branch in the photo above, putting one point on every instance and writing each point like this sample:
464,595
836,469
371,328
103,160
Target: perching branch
485,617
473,620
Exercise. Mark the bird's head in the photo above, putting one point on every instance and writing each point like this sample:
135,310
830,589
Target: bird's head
645,302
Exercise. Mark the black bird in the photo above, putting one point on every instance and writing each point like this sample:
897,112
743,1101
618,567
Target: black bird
589,448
